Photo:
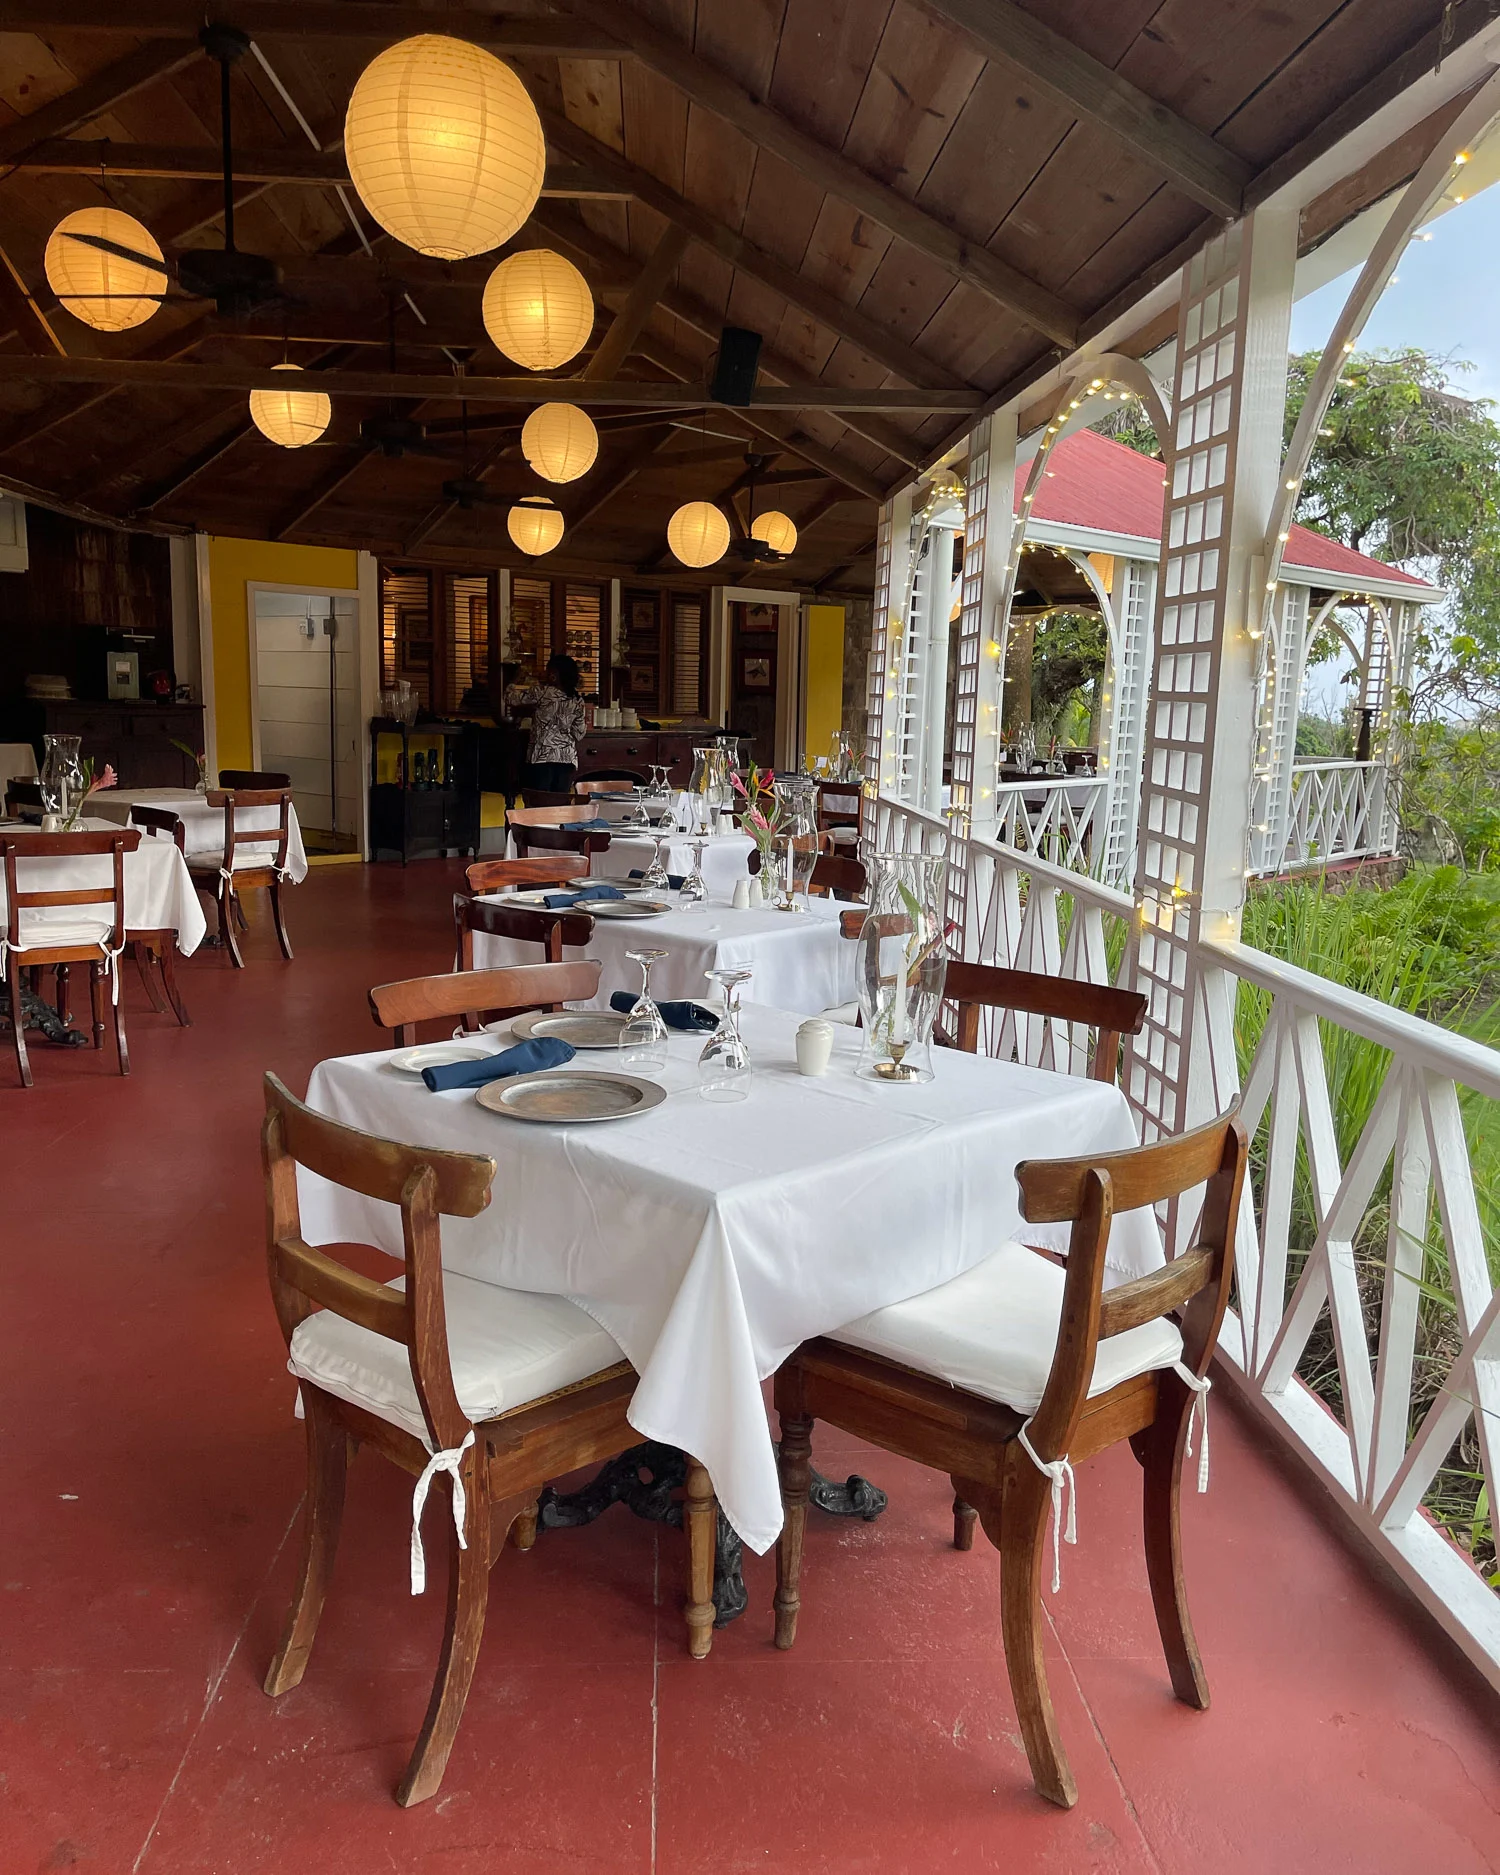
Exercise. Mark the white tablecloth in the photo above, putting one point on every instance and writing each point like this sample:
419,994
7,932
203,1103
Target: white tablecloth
203,826
799,959
725,857
159,894
17,763
711,1240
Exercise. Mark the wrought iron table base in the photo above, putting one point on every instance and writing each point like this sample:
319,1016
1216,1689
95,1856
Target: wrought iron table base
43,1016
643,1480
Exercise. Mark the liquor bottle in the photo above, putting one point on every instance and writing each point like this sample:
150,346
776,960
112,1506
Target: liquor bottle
419,770
451,779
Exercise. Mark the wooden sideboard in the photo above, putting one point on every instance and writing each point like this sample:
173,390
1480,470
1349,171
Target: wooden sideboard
637,749
134,738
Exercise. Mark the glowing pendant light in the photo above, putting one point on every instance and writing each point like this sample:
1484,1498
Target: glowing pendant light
560,442
698,533
534,525
777,530
538,308
105,291
444,146
291,418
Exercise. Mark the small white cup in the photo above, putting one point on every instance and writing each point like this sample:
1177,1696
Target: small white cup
755,891
814,1046
741,897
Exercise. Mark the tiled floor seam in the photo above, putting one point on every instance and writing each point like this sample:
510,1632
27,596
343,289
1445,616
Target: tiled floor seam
214,1688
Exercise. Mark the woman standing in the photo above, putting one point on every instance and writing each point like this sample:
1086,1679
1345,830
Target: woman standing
557,725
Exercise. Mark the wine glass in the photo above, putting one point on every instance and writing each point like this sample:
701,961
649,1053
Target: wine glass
667,818
644,1036
724,1065
638,815
695,886
656,873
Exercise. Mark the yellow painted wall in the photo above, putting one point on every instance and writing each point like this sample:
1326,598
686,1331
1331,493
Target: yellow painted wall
232,565
825,677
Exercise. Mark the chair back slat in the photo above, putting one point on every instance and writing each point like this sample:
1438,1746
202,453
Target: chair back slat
1052,1189
497,875
265,780
1097,1006
324,1280
233,801
402,1006
530,838
834,874
554,816
67,846
554,931
155,820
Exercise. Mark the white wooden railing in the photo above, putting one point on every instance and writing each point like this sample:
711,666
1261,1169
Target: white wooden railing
1335,811
1417,1245
1059,818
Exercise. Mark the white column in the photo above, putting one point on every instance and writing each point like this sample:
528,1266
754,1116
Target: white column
1128,684
1280,703
976,707
1233,326
892,570
929,690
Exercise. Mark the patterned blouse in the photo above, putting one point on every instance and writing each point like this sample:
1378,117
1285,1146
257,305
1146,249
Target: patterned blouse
557,722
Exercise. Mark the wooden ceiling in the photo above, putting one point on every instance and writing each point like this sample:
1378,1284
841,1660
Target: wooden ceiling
919,204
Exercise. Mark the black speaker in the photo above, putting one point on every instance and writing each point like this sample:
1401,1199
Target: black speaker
734,370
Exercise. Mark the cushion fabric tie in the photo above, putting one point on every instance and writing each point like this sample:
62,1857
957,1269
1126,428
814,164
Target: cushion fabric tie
449,1460
1199,1415
1060,1472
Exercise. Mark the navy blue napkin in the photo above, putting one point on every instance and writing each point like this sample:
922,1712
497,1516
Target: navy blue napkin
564,901
674,879
546,1051
676,1015
597,825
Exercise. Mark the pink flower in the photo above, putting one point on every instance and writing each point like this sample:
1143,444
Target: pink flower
757,819
737,784
107,780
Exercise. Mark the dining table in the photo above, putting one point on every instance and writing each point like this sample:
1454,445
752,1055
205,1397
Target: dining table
203,826
800,959
713,1239
159,891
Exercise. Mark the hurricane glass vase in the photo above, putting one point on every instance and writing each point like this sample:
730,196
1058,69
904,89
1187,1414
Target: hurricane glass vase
903,963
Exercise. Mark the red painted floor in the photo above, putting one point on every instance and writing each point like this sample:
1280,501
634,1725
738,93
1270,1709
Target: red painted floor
152,1478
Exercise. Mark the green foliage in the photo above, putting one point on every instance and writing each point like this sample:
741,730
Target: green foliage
1068,655
1450,774
1321,739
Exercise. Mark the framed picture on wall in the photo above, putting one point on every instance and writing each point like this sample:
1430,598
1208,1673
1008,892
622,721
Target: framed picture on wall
643,680
643,618
755,673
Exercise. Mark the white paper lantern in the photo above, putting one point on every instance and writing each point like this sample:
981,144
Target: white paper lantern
534,525
560,442
698,533
291,418
105,291
444,146
777,530
538,308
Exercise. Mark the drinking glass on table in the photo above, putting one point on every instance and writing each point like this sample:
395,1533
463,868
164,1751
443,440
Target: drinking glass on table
724,1065
656,875
638,815
695,886
643,1035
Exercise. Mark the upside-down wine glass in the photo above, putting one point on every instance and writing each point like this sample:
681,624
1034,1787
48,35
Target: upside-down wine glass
695,886
656,875
643,1035
724,1065
638,815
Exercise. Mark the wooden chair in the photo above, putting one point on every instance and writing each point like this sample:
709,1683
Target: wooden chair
23,800
554,815
950,1379
554,931
159,947
490,994
542,798
257,780
838,810
95,941
443,1384
500,875
544,838
610,781
1109,1012
220,876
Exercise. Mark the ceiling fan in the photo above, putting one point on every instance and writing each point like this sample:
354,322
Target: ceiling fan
391,432
747,548
237,282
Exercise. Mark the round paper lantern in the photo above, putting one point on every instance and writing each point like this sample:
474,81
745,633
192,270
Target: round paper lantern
105,291
698,533
560,442
444,146
777,530
290,417
538,308
534,525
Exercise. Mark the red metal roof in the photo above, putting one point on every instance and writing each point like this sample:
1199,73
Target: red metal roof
1093,482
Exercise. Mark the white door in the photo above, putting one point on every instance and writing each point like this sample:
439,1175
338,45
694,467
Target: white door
307,696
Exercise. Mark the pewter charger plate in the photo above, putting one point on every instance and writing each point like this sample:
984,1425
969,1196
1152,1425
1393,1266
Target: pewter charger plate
553,1097
581,1028
626,908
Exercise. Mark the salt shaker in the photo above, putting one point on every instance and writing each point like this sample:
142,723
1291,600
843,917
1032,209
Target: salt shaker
754,890
814,1046
740,900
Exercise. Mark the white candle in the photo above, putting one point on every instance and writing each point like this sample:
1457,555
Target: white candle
898,1009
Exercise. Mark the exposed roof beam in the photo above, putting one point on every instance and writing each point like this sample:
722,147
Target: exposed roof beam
1188,156
75,156
38,423
319,19
640,302
835,315
625,473
477,390
705,85
326,486
97,95
190,470
18,307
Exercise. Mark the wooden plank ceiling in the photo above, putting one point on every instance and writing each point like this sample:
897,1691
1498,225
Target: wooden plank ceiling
900,196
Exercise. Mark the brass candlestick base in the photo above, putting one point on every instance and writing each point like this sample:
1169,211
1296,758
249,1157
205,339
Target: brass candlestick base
897,1068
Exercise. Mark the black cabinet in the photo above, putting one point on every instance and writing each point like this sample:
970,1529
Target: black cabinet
136,739
417,806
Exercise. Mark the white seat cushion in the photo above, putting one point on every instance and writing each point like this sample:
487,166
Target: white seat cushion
48,930
993,1331
506,1347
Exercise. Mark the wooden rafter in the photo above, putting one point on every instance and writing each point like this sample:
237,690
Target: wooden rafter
230,376
840,175
177,479
326,486
18,307
1189,157
352,20
72,403
835,315
74,156
97,95
624,474
640,302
